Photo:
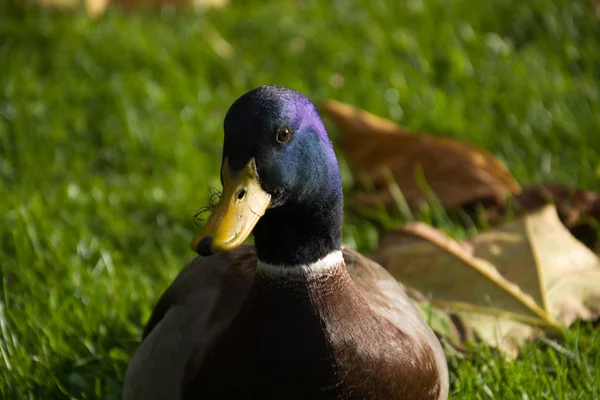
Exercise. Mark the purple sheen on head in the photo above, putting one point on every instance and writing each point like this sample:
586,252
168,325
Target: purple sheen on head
302,176
305,115
251,125
306,111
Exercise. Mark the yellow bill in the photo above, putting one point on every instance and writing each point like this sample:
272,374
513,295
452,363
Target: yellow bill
242,204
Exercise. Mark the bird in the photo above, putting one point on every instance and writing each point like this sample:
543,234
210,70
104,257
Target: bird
296,314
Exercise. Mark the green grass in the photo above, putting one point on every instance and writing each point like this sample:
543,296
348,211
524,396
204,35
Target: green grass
110,135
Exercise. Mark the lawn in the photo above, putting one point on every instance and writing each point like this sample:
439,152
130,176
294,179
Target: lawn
111,129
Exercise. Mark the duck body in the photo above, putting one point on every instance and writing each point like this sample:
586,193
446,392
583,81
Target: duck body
297,316
285,349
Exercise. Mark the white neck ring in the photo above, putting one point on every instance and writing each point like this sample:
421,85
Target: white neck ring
322,266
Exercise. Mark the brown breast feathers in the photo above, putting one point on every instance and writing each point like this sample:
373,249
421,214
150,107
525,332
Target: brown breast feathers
312,337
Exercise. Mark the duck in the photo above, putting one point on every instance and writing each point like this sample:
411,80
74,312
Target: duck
296,315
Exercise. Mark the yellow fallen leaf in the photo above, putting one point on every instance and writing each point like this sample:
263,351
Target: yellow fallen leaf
504,334
578,209
448,273
457,172
541,256
94,8
206,4
198,5
506,284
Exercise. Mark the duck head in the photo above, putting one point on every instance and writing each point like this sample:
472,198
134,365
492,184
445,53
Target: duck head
281,181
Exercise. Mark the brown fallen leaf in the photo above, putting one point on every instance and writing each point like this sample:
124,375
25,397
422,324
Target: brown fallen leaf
505,334
449,273
426,260
456,172
596,6
197,4
386,155
578,209
540,255
507,284
94,8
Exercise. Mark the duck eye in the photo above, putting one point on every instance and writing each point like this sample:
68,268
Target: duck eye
284,134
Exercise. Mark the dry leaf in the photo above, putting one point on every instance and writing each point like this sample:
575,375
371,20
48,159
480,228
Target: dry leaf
505,284
461,175
448,273
456,172
596,7
94,8
578,209
206,4
540,255
198,5
505,334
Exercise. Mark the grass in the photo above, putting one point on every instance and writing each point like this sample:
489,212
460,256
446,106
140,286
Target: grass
110,135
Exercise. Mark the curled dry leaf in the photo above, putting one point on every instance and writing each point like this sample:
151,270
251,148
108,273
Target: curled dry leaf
455,171
463,176
197,4
578,209
596,6
454,280
505,334
449,273
539,254
506,284
94,8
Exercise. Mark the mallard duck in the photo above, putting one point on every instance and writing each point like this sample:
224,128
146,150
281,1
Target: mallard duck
297,315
